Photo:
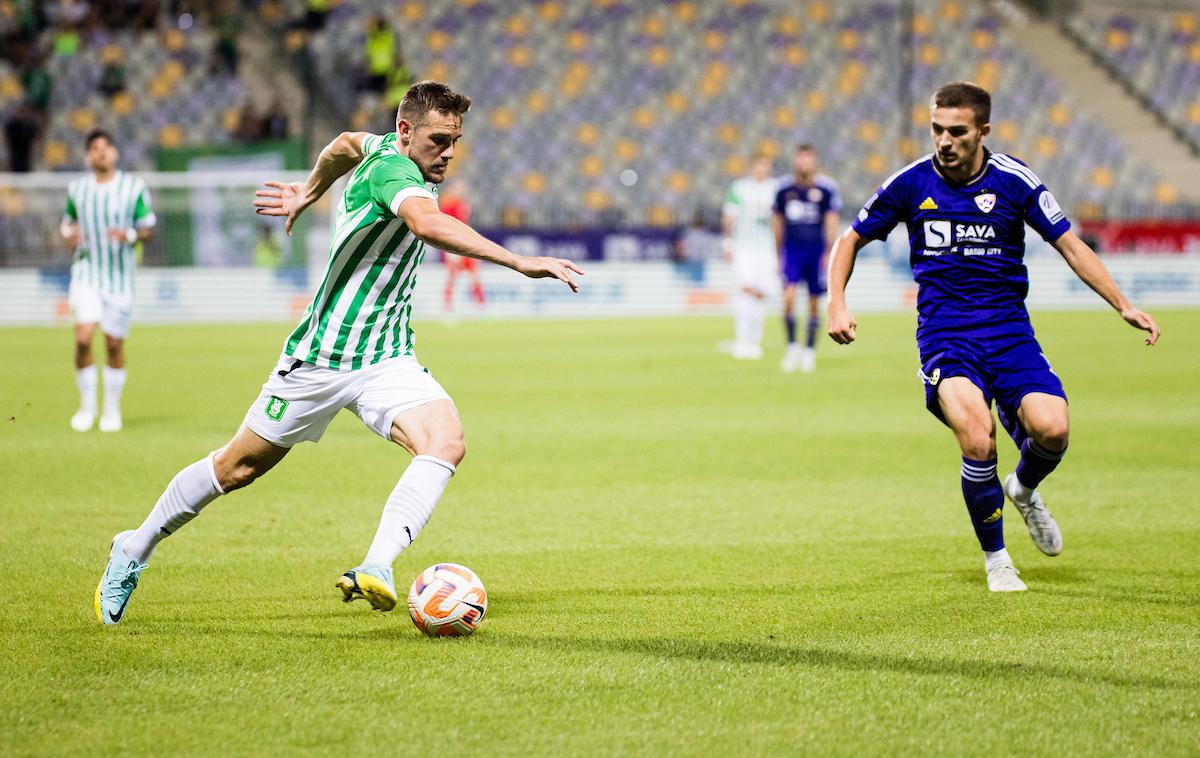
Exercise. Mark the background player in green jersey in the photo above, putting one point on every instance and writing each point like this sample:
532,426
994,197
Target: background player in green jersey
353,348
107,214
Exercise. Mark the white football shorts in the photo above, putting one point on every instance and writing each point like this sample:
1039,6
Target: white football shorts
757,269
92,306
299,399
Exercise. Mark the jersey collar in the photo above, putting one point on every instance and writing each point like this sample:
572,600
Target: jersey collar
987,154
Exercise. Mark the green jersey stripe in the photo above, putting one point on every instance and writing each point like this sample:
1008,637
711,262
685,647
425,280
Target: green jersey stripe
398,273
300,341
339,285
369,280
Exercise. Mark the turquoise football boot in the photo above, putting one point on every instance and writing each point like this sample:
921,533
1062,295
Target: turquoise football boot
372,583
118,583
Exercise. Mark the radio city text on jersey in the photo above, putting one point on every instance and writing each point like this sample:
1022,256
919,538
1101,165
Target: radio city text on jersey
967,241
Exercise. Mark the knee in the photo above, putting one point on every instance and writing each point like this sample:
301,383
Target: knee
450,447
82,346
1053,436
978,444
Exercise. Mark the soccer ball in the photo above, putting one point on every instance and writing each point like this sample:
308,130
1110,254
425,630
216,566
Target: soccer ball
447,600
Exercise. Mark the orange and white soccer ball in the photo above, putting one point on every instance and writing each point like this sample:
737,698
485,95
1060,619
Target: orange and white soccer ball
447,600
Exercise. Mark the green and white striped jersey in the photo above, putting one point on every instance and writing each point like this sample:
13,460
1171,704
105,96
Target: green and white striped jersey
362,310
751,204
123,202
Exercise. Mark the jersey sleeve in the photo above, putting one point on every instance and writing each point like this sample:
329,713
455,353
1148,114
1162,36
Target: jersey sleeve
371,143
835,197
883,211
70,212
395,180
1043,213
143,212
732,201
779,203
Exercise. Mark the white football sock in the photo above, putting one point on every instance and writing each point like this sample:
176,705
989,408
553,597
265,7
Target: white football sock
187,494
742,318
994,558
408,508
758,317
114,384
85,380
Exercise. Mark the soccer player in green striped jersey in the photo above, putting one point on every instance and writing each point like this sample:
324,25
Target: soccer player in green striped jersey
353,348
107,214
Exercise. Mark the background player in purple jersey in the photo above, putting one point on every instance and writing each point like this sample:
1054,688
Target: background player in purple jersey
806,216
965,208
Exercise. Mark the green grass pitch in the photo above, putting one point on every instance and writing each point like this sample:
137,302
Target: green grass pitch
684,556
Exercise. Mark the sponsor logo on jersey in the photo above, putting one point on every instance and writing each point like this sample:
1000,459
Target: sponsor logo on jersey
928,205
275,408
814,194
986,201
941,234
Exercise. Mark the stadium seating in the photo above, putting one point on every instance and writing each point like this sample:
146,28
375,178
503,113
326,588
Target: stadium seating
1156,51
616,112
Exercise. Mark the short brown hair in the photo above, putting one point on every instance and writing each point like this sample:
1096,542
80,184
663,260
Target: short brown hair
427,96
964,95
96,134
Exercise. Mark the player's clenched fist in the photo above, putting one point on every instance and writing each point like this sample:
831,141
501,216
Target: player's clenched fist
841,325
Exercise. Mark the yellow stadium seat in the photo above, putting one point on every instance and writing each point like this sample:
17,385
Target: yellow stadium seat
592,166
848,40
1194,52
1102,177
437,41
55,153
11,202
550,12
676,101
679,182
122,103
587,133
173,40
645,117
713,40
784,117
626,149
794,55
160,88
438,70
819,12
10,87
1165,192
981,39
1187,23
950,11
172,71
82,119
360,120
412,12
1046,146
910,148
520,56
517,26
1194,112
922,26
815,101
658,56
686,12
875,164
868,131
1007,131
512,216
577,41
1116,39
534,183
768,147
661,215
537,102
502,118
654,26
1060,115
788,26
295,40
734,165
929,55
170,136
727,132
596,199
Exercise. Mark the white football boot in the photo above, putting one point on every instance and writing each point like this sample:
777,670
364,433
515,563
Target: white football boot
791,359
808,360
1042,526
82,420
1004,577
110,421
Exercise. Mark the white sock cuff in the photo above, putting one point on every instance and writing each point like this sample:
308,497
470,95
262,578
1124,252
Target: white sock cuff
432,459
212,472
86,372
116,373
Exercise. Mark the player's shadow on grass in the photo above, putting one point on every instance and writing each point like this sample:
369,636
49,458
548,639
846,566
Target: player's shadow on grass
1095,584
786,656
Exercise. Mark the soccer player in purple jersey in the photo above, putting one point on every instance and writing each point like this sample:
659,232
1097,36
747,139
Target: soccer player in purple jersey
806,217
965,208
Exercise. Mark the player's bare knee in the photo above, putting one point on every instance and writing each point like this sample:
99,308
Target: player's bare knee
451,447
1054,436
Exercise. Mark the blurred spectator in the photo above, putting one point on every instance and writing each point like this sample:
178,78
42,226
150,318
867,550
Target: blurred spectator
267,251
275,122
21,131
380,51
112,71
68,18
318,10
695,245
37,82
399,80
225,51
250,125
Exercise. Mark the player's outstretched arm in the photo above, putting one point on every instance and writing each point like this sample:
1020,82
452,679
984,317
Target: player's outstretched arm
1091,270
290,200
445,232
842,326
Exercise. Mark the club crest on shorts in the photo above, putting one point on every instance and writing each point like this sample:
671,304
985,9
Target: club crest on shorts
986,201
275,408
934,377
